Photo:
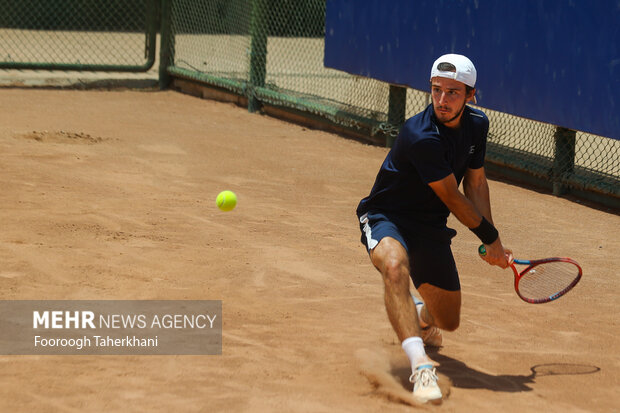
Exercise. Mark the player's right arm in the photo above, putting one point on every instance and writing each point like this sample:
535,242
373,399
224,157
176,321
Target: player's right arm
427,155
466,212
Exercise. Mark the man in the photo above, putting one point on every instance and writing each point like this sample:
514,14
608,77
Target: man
403,220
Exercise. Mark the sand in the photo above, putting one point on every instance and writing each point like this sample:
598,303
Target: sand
111,195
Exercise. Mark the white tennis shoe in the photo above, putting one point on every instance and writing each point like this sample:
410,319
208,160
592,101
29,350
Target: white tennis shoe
425,388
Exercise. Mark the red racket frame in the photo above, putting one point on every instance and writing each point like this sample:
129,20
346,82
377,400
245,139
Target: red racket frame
533,263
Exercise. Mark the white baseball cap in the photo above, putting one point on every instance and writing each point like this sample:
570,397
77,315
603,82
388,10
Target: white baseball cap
455,66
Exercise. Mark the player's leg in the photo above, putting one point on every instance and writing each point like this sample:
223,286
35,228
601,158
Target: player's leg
442,308
435,276
392,261
386,248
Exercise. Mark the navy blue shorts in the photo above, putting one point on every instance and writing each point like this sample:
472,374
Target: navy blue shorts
431,261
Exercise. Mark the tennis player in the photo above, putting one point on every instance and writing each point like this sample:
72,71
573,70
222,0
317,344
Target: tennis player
403,220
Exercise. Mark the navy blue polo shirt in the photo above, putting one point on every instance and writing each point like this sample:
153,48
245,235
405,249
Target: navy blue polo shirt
426,151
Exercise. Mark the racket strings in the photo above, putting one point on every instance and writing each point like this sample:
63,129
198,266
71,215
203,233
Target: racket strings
547,279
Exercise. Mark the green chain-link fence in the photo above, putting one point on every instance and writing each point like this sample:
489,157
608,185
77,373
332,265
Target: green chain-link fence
271,51
111,35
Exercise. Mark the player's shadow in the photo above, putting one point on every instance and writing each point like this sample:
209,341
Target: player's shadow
465,377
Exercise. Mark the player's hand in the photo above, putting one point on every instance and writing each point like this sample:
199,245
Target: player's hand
497,254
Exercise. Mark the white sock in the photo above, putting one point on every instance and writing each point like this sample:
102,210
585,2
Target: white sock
414,348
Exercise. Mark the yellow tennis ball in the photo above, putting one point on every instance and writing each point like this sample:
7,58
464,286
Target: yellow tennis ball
226,200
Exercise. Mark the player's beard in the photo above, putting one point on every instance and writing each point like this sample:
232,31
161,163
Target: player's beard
454,117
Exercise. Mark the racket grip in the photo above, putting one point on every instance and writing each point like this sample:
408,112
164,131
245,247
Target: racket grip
482,250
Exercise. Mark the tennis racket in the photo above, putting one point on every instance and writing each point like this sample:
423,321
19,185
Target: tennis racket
543,280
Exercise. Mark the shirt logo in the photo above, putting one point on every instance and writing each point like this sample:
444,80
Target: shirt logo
472,149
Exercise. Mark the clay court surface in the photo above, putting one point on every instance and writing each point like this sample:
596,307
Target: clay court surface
111,195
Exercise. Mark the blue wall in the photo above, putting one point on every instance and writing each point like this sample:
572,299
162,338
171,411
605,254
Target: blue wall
555,61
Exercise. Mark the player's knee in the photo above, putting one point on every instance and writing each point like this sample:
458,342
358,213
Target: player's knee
450,323
395,272
453,324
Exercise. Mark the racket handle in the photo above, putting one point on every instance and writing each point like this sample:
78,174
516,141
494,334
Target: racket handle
483,251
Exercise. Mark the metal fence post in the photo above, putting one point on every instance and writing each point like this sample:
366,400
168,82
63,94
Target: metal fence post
166,53
258,53
396,111
564,158
152,17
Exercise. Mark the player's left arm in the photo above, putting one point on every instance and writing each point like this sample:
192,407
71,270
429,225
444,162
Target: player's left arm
476,189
